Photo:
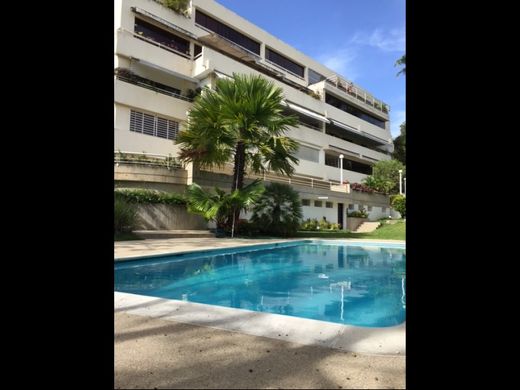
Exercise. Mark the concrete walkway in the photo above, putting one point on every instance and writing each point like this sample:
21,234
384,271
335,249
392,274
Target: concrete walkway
154,353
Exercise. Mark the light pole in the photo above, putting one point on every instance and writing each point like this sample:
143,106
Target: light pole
341,169
400,182
404,186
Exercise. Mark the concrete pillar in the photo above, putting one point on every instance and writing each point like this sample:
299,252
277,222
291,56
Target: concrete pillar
262,50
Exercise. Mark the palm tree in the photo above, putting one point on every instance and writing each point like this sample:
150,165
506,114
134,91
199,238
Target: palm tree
241,119
219,205
279,210
399,62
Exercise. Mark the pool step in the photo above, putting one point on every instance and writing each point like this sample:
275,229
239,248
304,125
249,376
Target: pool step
367,227
161,234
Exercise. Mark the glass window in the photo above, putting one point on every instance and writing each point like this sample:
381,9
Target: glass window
227,32
351,206
318,203
329,205
306,202
344,106
198,50
369,208
315,77
284,62
306,153
161,36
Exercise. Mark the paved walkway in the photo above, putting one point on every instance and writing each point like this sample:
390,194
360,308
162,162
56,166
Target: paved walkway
154,353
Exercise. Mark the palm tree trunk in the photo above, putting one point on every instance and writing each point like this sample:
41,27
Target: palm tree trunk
239,168
238,181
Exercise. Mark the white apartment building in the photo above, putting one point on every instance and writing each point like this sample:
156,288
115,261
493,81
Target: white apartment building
161,59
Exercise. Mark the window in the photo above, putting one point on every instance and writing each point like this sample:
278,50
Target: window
344,106
350,165
165,38
284,62
197,51
383,209
306,153
315,77
351,206
153,125
306,202
329,205
369,208
227,32
318,203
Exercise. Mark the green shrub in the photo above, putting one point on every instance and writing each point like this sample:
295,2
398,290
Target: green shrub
324,224
179,6
309,224
145,196
125,215
358,214
398,202
334,226
279,211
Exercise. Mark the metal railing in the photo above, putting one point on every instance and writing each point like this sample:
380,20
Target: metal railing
152,42
148,84
149,159
349,88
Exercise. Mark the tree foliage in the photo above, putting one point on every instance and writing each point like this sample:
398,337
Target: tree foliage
398,202
216,206
401,62
242,119
279,210
385,176
400,145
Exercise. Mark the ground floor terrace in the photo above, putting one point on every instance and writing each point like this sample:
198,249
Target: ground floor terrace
162,343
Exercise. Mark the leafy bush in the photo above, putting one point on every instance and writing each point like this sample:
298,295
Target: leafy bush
279,211
324,224
179,6
361,188
334,226
309,224
248,229
145,196
125,215
358,214
385,176
398,202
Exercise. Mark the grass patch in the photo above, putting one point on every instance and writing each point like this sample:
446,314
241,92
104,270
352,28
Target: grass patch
126,237
396,231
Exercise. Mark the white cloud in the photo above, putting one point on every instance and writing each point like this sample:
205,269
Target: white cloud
341,61
396,118
393,40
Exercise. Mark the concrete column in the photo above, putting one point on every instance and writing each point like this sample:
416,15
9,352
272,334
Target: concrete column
262,50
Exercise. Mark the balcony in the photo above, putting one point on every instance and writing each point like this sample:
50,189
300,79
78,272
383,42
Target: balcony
152,86
353,94
132,45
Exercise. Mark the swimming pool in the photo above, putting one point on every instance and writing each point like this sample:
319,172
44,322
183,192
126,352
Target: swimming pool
361,284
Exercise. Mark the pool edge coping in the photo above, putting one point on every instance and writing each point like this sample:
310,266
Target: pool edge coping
387,341
248,244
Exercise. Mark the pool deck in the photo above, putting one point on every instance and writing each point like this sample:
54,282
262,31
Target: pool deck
341,351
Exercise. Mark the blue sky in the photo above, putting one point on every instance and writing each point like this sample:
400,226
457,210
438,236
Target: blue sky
360,39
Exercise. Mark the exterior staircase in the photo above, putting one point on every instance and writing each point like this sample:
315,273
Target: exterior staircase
161,234
367,227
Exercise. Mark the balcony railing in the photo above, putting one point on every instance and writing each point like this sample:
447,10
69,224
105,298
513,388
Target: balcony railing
149,84
358,93
148,159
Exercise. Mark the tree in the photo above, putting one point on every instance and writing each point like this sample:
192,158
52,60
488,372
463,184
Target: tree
400,145
385,176
401,62
218,205
279,210
241,119
398,202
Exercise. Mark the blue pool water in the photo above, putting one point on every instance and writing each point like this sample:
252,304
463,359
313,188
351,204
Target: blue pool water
361,284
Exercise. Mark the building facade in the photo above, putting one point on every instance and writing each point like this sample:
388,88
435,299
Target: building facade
162,58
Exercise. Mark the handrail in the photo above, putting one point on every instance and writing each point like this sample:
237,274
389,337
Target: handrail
151,41
162,160
153,88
